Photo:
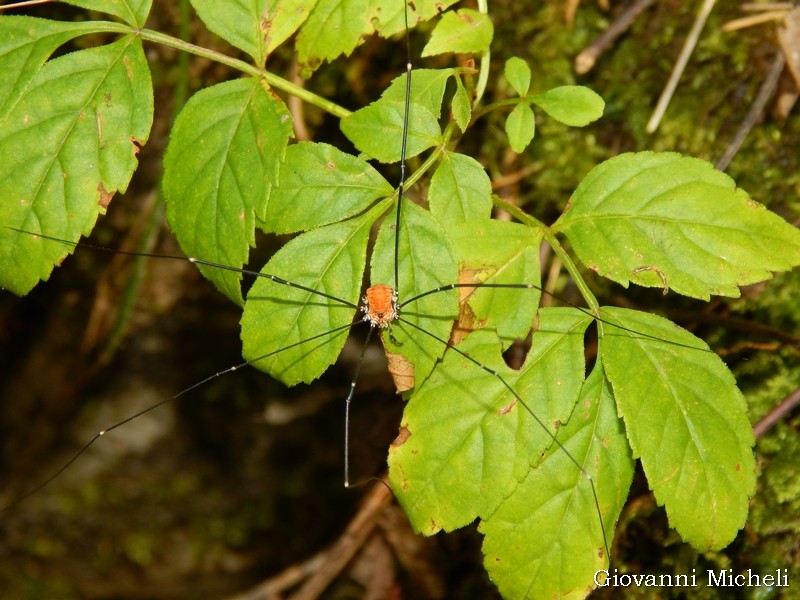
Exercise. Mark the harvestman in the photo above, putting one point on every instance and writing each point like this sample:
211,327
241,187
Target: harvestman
381,308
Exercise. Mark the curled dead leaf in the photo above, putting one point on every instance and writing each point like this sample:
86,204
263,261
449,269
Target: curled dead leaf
401,370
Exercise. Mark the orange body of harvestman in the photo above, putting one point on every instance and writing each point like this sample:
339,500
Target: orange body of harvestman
380,305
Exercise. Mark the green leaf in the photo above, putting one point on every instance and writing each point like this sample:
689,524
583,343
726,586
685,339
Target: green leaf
427,88
498,253
545,541
279,321
518,74
573,105
461,106
460,190
426,261
370,127
666,220
520,127
467,441
338,27
284,18
68,144
465,30
133,12
257,27
224,151
687,422
335,28
25,44
392,19
376,130
318,185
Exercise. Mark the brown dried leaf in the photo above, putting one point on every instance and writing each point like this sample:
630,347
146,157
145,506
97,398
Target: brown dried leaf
401,370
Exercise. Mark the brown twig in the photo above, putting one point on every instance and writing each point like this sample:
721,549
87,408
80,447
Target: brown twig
321,569
24,4
680,65
791,402
587,58
755,112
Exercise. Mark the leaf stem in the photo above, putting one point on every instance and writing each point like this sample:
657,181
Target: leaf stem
495,106
240,65
486,59
432,157
575,273
552,240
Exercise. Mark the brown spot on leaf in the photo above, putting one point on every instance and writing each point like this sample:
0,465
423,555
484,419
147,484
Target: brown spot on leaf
105,197
507,408
402,437
127,62
465,17
137,145
467,321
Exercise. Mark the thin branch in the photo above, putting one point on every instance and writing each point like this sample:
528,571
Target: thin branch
322,568
791,402
755,112
587,58
680,65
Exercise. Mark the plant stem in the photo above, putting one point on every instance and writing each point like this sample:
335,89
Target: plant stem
433,157
240,65
575,273
552,240
494,106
